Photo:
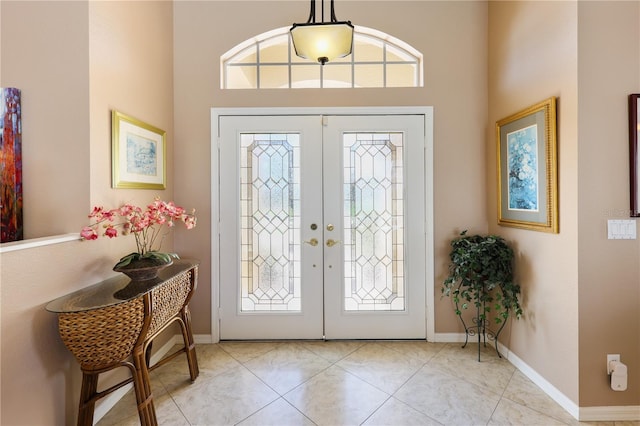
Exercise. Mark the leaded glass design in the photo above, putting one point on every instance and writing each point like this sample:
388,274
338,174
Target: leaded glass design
270,222
373,222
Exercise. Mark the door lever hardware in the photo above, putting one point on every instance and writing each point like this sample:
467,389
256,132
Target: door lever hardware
313,242
331,242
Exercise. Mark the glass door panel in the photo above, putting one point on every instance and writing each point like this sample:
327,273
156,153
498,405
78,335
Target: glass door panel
375,280
322,227
373,222
270,195
270,222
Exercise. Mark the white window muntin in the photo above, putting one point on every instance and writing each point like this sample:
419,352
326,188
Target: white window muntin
272,51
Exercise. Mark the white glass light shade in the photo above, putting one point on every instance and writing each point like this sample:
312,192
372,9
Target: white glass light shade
322,42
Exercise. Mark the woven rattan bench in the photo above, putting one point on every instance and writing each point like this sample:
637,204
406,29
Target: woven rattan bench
113,324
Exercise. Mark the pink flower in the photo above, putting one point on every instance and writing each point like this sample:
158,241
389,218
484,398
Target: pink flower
111,232
125,210
190,221
145,225
88,233
96,211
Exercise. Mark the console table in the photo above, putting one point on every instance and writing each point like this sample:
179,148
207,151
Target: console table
113,323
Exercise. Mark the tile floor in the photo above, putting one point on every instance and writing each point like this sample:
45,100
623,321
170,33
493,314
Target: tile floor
345,383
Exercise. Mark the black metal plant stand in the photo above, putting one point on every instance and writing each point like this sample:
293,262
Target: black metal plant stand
480,329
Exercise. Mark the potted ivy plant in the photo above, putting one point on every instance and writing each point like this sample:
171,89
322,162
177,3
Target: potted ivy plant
481,276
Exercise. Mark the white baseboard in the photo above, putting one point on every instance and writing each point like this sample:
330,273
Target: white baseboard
583,414
449,337
615,413
553,392
203,339
108,402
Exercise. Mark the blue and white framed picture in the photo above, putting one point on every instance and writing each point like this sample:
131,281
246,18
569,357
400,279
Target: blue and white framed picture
527,168
138,153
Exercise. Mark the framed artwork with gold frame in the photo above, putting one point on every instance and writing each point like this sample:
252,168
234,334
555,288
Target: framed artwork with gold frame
634,153
138,154
528,169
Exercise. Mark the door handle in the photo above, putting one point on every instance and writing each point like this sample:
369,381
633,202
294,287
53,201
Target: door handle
332,242
313,242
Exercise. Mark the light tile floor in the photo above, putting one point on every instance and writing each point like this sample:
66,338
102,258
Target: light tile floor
345,383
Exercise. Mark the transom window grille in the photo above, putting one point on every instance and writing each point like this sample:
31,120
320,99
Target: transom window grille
268,61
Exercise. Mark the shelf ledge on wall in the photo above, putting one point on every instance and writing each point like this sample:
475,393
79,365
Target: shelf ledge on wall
37,242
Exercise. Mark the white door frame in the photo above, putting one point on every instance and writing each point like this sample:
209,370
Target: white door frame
216,113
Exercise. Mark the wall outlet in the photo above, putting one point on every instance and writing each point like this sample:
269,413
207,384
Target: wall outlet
611,357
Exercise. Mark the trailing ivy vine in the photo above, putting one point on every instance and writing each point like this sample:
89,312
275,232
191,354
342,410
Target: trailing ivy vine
481,275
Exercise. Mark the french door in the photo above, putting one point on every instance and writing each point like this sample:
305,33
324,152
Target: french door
322,227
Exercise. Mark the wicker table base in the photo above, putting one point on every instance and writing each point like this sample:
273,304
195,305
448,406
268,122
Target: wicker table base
105,333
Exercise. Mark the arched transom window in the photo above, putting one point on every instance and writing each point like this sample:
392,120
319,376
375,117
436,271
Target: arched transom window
268,61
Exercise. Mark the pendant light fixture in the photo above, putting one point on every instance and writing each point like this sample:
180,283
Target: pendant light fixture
322,41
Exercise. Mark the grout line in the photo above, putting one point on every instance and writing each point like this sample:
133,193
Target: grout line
440,352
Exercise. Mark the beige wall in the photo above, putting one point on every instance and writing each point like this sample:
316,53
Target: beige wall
131,64
609,270
40,379
533,56
80,60
581,292
45,54
452,37
158,61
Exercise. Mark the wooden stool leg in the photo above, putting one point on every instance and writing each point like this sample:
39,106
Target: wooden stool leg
144,396
189,344
87,399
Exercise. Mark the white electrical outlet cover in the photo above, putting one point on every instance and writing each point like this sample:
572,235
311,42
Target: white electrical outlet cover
611,357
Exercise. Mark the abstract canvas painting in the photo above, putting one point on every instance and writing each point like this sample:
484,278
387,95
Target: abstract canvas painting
11,165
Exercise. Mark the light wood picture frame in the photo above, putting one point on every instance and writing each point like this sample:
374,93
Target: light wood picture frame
138,153
528,169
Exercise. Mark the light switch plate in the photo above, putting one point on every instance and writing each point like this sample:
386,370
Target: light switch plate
621,229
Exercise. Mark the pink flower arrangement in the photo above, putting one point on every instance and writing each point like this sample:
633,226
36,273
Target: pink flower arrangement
146,226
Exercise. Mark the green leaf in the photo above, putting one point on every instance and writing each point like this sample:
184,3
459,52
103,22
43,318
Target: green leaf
481,273
124,261
163,257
